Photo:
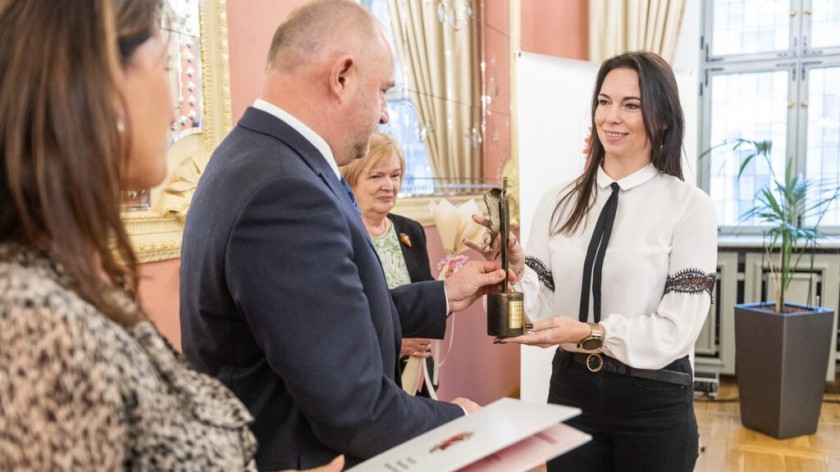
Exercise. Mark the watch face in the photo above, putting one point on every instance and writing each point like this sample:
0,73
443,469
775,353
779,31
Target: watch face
591,343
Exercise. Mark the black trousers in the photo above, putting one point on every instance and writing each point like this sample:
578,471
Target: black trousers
636,424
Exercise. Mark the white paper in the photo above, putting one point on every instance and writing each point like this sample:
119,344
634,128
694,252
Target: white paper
487,433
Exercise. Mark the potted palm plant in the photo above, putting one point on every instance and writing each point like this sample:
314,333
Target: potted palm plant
782,348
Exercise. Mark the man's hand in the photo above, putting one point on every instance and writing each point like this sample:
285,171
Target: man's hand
471,282
468,405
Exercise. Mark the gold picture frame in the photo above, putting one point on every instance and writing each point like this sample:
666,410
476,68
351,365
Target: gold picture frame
156,231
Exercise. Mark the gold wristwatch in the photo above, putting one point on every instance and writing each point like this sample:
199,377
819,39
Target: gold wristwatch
595,339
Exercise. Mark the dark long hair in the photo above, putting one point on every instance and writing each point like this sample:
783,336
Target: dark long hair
62,156
664,126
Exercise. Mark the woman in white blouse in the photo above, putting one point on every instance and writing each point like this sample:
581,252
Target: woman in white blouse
619,272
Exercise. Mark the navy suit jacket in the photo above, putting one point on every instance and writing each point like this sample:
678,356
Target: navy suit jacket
284,300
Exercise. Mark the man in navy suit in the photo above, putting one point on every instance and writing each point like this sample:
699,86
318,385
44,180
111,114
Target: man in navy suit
283,298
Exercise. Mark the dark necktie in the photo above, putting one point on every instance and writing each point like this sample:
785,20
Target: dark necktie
595,257
350,194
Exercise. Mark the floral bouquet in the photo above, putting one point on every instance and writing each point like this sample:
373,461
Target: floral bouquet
455,224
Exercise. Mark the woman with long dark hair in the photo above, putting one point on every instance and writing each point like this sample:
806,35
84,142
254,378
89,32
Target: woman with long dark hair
619,273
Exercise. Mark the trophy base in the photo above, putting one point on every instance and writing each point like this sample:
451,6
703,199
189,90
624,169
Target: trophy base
505,314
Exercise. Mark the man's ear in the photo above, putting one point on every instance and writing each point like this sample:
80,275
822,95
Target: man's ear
341,72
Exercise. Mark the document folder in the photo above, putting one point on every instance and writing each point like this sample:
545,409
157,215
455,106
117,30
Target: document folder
505,436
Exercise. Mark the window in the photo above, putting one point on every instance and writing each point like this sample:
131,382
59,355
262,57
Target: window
404,125
770,71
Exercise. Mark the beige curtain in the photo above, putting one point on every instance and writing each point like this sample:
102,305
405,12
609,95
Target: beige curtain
437,42
617,26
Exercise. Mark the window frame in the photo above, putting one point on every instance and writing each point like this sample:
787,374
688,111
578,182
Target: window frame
707,32
823,62
799,60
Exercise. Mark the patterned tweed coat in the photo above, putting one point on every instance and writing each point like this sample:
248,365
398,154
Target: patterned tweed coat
80,392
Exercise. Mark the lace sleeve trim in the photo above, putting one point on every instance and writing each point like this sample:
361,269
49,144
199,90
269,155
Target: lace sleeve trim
690,281
545,275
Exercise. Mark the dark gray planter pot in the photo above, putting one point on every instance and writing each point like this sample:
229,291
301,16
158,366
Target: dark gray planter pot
780,363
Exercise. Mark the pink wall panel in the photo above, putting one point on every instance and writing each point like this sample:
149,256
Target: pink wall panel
556,28
496,144
159,297
497,15
497,63
497,57
251,25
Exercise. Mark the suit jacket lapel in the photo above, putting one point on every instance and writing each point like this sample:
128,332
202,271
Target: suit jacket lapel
266,123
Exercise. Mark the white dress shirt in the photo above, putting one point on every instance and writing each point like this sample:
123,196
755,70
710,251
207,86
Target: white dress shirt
301,128
658,273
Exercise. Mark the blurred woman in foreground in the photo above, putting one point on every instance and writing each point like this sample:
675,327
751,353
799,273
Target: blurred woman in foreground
86,381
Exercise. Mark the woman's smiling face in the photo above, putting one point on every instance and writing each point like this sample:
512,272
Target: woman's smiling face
618,117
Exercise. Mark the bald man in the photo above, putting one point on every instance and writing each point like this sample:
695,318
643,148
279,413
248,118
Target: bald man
283,298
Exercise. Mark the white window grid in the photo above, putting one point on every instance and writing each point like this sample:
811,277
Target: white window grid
808,60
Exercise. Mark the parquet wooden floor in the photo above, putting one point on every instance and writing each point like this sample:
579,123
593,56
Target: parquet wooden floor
730,447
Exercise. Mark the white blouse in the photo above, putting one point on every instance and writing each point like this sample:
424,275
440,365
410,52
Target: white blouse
658,273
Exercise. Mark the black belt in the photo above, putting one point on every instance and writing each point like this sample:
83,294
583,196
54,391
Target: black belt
602,362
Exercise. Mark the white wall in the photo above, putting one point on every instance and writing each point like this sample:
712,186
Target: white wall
553,112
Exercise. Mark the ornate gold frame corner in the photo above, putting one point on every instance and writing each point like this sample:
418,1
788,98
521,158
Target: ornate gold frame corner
156,233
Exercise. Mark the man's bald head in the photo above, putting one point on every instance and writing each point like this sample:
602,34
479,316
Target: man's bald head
319,30
330,66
